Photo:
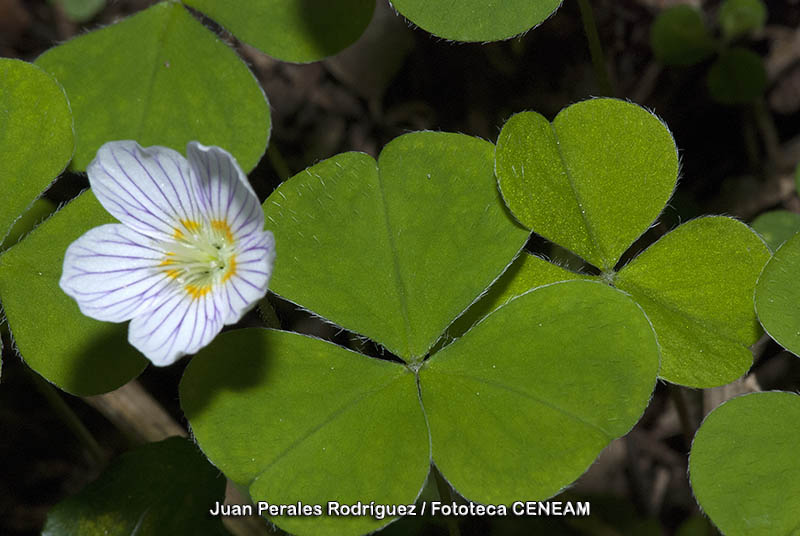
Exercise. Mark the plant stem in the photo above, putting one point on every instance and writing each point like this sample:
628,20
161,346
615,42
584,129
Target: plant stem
766,126
683,414
446,496
278,162
595,49
68,417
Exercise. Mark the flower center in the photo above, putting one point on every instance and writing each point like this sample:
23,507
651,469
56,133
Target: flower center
201,256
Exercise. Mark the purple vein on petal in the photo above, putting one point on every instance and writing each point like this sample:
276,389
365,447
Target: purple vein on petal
174,189
122,169
152,179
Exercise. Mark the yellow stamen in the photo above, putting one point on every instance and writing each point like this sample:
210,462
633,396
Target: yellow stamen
178,234
222,226
191,225
174,274
231,271
196,291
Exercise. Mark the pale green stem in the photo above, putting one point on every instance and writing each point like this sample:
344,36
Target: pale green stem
68,417
683,414
278,162
595,49
767,129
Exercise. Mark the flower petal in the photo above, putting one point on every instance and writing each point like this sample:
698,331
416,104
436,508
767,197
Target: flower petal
248,282
151,190
180,325
112,272
225,188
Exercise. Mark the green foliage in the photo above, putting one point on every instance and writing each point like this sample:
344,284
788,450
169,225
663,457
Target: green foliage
680,37
80,355
300,419
292,30
160,78
743,465
777,226
428,212
739,17
778,295
36,137
522,404
476,20
160,488
737,77
593,180
696,284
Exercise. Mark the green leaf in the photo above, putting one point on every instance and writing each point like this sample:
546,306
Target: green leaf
394,251
476,20
161,488
80,10
778,295
38,212
80,355
525,273
592,181
696,284
680,37
744,465
737,77
300,419
523,403
292,30
777,226
160,78
738,17
36,137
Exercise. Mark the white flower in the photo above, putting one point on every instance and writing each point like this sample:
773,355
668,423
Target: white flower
189,256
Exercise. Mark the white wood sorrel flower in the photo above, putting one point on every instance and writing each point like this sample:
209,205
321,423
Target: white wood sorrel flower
189,256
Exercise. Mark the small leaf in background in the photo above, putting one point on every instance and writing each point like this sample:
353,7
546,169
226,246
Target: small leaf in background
777,226
292,30
36,136
592,181
80,10
80,355
744,465
778,296
394,251
524,402
680,37
160,78
370,65
166,487
738,76
300,419
738,17
696,285
476,20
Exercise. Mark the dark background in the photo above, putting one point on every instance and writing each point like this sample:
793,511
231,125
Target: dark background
398,79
